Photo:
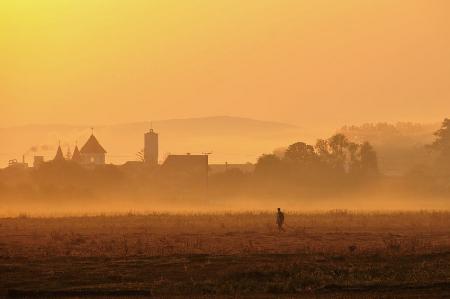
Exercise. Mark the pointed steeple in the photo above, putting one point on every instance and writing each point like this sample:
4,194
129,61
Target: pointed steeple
76,156
59,154
92,146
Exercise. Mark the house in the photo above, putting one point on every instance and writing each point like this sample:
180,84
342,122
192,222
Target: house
92,153
186,172
38,161
17,165
186,165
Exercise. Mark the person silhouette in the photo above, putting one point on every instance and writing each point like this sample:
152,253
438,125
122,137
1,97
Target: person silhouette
280,220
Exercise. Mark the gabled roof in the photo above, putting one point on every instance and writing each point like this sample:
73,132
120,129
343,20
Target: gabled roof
59,155
92,146
76,156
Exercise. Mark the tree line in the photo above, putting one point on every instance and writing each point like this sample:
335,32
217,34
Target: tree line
333,164
336,165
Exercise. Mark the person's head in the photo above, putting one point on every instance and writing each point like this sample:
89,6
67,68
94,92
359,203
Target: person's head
279,209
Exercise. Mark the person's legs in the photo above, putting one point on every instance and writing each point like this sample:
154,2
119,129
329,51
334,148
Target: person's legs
280,227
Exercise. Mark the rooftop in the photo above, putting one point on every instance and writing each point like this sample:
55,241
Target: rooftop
92,146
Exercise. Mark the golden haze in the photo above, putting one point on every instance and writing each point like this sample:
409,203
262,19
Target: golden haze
303,62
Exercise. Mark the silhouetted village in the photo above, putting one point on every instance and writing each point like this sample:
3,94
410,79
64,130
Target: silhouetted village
186,170
178,172
332,166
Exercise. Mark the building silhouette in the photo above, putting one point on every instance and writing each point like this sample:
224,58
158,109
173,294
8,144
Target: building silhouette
92,153
38,161
76,156
59,155
151,147
186,172
18,165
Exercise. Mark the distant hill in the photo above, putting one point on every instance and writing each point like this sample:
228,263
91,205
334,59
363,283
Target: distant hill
232,139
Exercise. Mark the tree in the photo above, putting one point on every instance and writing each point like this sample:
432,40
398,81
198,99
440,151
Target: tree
369,159
322,147
354,163
442,142
301,152
140,156
268,164
323,151
344,156
338,145
441,147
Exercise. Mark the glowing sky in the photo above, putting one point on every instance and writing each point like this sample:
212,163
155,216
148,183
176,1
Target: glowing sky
305,62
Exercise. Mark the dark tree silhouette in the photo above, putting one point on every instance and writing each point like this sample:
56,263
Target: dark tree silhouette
442,142
301,152
338,151
268,164
369,159
140,156
441,147
354,158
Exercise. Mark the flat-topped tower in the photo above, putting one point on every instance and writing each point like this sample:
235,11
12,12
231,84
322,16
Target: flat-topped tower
151,147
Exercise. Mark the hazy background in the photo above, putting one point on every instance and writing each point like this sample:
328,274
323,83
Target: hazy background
285,70
308,63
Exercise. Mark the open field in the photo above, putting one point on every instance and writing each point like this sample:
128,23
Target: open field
320,255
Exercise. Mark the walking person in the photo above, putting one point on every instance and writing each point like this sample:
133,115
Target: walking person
280,220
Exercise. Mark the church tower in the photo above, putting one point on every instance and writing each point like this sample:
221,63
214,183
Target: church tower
92,153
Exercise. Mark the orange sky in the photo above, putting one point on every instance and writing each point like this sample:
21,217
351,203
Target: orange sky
304,62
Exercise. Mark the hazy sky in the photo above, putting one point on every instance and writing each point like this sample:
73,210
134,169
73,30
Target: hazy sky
304,62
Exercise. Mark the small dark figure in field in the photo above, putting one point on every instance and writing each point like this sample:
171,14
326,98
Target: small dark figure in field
280,220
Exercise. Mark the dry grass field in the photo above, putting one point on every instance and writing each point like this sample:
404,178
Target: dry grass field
337,254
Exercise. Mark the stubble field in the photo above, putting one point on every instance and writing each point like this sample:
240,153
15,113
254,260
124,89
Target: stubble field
335,254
